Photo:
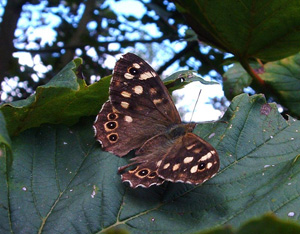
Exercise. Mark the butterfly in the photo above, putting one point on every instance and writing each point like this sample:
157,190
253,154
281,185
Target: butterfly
141,115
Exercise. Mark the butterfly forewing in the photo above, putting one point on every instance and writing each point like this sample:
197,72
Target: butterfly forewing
137,90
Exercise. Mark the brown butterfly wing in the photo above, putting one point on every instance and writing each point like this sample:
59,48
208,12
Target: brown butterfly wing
144,173
119,133
184,158
191,160
142,104
137,90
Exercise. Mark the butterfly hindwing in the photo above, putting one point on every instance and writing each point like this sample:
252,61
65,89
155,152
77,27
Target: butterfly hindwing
183,157
144,175
192,160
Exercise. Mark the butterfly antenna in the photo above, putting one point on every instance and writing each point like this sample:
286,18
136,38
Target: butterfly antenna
195,105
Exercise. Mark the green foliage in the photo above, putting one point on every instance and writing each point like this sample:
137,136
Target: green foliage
56,179
283,77
267,224
235,80
62,100
248,28
179,79
94,31
281,80
253,30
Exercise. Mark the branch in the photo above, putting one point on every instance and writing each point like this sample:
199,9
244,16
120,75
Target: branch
76,37
103,43
177,56
7,30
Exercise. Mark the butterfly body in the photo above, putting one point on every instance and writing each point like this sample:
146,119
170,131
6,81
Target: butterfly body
141,115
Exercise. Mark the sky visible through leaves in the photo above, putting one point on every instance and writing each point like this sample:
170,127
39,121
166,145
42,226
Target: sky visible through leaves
185,98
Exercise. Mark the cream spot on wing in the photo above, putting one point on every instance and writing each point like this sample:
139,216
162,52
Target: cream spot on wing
158,163
156,101
206,156
194,169
146,75
138,89
152,91
128,118
136,65
125,105
176,166
188,159
197,151
126,94
166,165
128,76
190,146
209,165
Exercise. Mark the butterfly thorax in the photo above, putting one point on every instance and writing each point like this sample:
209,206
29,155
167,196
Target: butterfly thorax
176,130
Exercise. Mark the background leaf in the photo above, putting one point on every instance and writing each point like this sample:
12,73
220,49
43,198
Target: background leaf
281,81
269,224
235,80
264,225
283,77
63,100
253,33
180,79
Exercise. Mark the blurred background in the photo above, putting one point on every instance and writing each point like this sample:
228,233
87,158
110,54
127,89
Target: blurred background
38,38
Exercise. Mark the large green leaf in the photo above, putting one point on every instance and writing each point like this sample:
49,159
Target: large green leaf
63,100
269,30
60,181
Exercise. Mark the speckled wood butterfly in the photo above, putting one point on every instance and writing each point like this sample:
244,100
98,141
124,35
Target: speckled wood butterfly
140,114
